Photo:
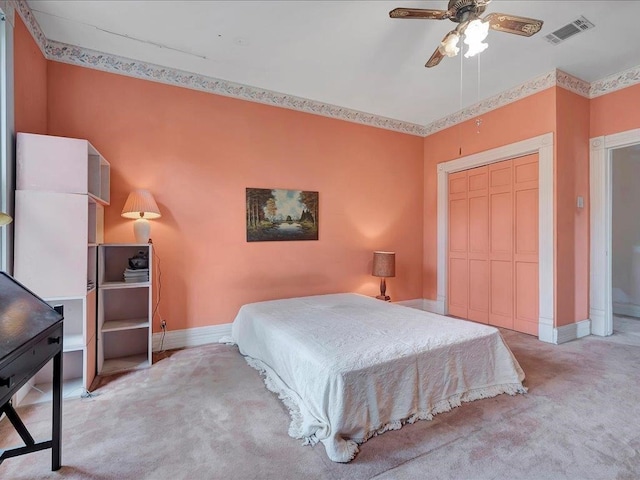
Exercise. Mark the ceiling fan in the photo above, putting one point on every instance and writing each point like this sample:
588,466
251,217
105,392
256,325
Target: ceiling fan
466,13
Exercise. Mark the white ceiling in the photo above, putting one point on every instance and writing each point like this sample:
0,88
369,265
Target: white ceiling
348,53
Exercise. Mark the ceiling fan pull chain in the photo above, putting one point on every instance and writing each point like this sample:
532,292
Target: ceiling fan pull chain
479,119
478,92
460,106
460,110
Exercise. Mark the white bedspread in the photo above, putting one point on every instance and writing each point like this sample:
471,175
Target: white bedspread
349,367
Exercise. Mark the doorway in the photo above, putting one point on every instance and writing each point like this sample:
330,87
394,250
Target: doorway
601,194
625,231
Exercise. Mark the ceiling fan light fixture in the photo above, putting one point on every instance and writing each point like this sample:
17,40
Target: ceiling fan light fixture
466,13
449,46
474,34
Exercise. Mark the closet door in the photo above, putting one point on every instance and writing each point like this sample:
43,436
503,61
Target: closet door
493,244
478,241
458,274
525,255
501,244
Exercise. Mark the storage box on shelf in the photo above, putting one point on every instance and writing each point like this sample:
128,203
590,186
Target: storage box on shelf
62,186
124,309
61,164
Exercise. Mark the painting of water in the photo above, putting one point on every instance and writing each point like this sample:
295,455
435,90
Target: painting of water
277,214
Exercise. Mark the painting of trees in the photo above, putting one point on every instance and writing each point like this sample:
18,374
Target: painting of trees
256,200
310,200
277,214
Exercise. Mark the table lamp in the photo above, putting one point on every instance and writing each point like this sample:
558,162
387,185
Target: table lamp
5,219
141,206
384,266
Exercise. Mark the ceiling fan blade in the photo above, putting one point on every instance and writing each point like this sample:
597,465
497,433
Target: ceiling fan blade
513,24
435,59
448,46
420,13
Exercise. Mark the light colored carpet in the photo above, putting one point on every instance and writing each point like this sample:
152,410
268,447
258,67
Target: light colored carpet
203,413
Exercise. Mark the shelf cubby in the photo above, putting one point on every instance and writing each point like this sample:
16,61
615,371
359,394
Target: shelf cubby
62,185
124,311
40,388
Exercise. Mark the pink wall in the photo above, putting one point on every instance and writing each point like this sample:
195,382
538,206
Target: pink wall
572,223
553,110
615,112
198,152
526,118
30,82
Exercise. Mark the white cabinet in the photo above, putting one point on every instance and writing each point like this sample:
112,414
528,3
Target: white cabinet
62,187
124,308
61,164
52,242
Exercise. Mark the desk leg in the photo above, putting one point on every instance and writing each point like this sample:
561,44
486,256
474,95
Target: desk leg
56,434
13,417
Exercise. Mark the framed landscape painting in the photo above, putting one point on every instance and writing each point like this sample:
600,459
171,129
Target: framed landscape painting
276,214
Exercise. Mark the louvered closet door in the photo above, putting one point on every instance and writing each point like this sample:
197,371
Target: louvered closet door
501,244
525,255
458,275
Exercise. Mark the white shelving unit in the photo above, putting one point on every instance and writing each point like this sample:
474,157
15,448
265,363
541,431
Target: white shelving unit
61,164
124,310
62,188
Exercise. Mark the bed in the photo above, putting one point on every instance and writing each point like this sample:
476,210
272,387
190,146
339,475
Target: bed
349,367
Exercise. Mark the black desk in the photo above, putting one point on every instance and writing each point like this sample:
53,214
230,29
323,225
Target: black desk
30,336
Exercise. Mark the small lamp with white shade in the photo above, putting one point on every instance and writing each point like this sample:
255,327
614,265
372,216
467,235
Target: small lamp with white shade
141,205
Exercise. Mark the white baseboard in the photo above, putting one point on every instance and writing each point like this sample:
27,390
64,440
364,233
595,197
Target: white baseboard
597,317
433,306
416,303
628,309
546,333
191,337
573,331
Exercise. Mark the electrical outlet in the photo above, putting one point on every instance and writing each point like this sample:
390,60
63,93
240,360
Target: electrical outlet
163,324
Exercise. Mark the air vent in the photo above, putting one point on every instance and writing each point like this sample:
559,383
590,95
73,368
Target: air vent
579,25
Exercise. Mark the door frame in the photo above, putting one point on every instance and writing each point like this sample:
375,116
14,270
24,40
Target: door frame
7,134
543,145
600,192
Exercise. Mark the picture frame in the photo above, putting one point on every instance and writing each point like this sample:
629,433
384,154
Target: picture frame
274,214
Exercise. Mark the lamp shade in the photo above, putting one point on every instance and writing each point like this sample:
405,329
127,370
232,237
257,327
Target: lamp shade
5,219
384,264
140,204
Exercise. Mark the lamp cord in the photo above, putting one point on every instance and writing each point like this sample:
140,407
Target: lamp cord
156,307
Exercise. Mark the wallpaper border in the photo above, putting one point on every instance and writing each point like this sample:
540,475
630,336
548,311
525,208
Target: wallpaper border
615,82
84,57
74,55
31,23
